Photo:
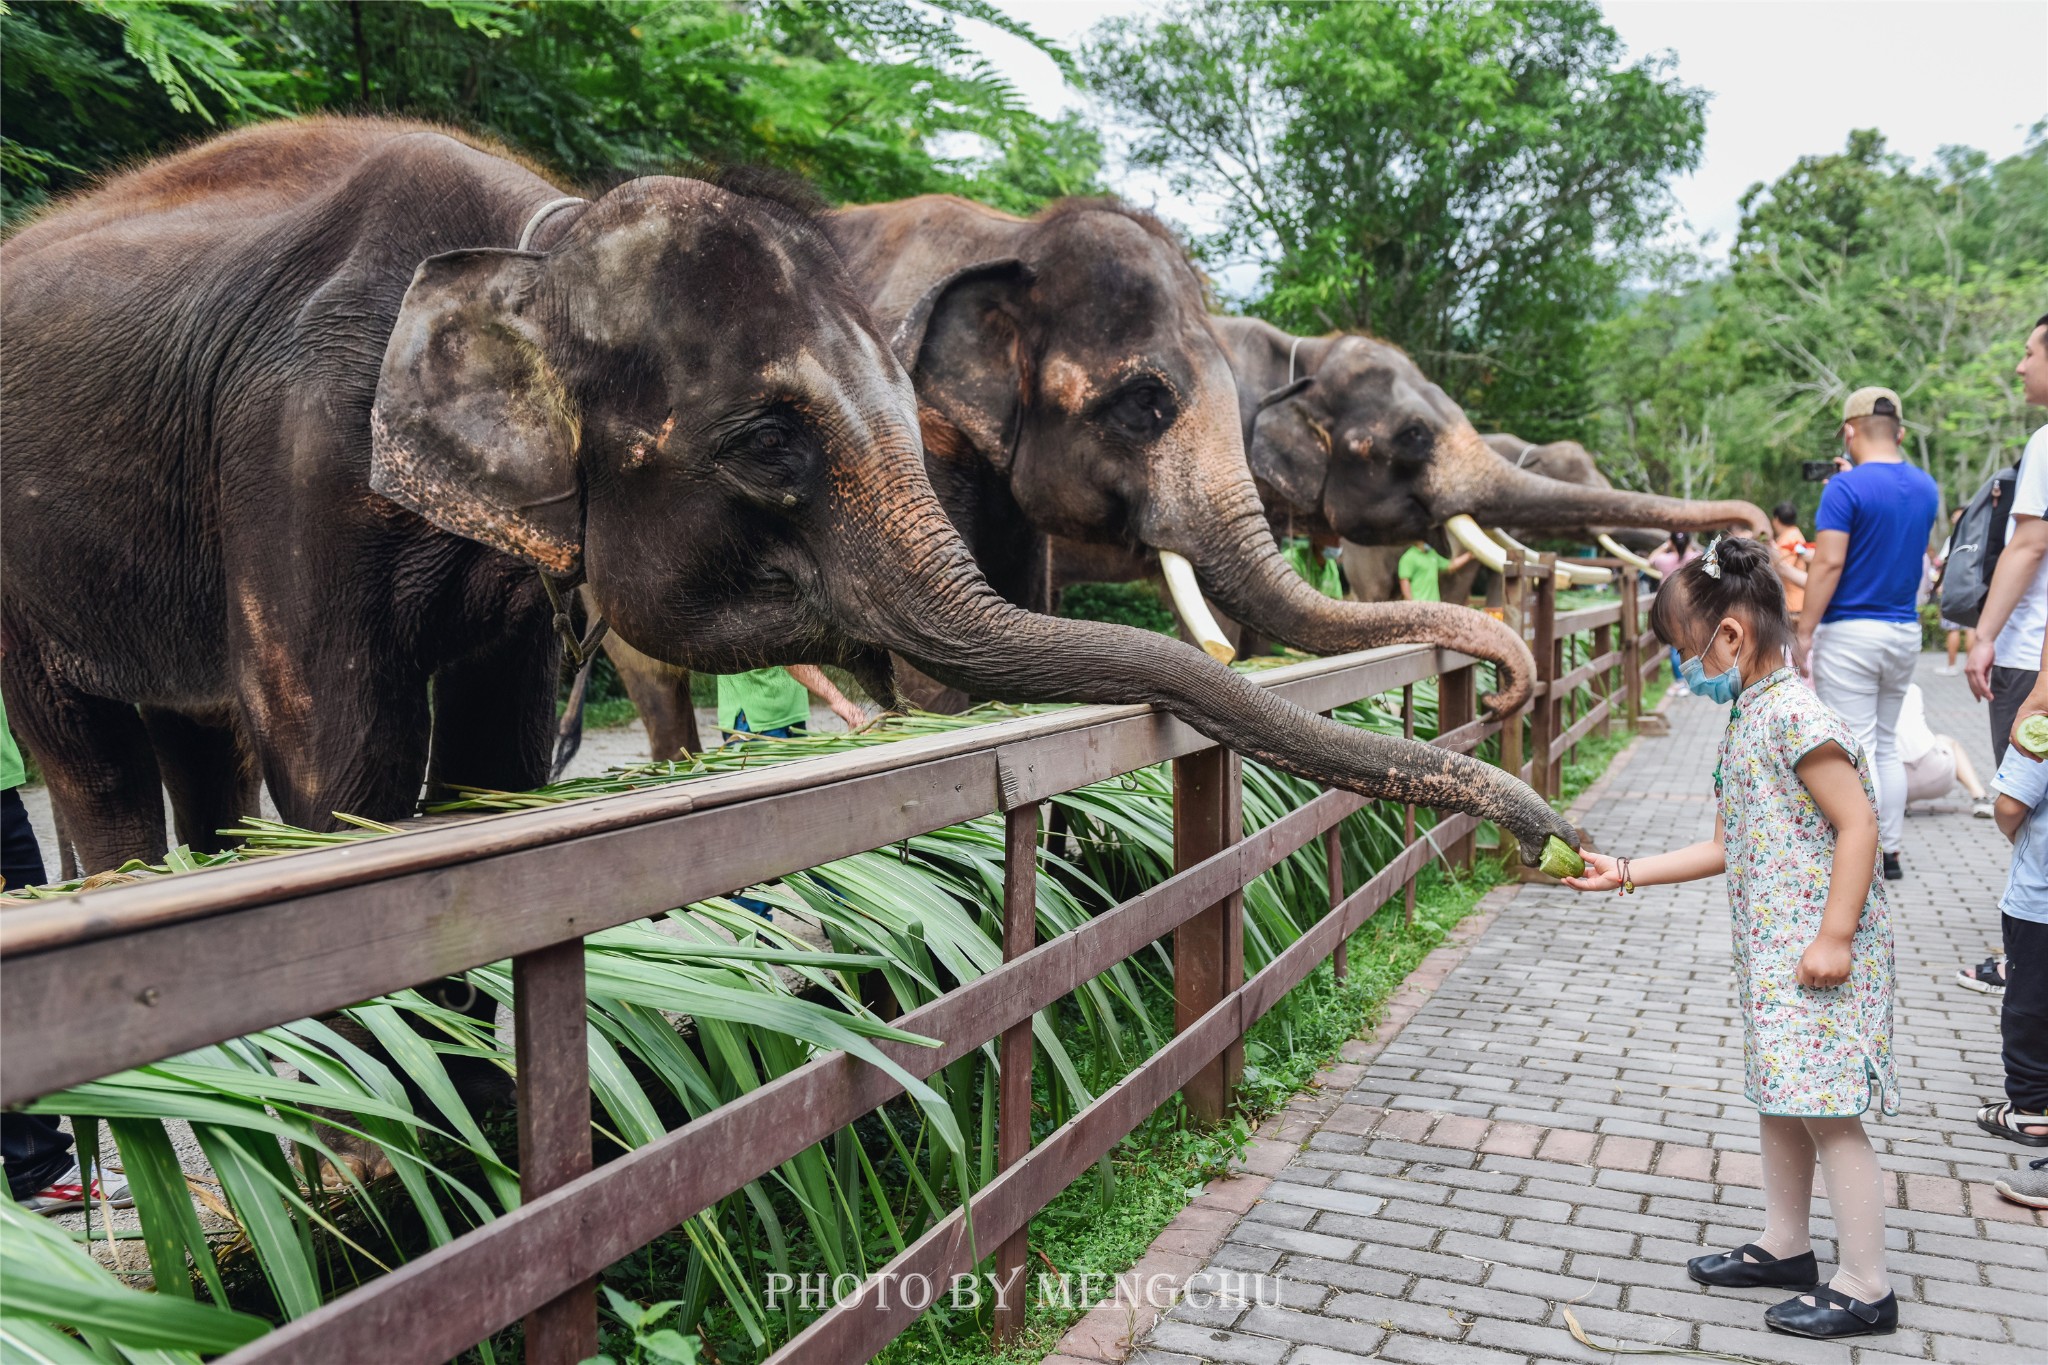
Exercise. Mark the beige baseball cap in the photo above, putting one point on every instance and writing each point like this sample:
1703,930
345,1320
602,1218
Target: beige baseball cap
1863,403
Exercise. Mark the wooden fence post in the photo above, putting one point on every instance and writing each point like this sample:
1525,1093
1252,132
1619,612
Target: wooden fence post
1542,589
1333,878
1515,593
1604,679
1208,950
1631,646
1013,1107
551,1049
1457,705
1408,816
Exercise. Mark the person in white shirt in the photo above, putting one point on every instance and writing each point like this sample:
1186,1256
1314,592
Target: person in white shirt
2012,627
2006,658
1935,763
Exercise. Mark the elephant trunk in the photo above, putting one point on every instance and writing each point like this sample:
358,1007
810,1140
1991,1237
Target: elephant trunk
995,649
1505,495
1242,570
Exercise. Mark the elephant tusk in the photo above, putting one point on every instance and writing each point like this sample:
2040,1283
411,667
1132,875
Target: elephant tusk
1469,537
1627,556
1194,612
1568,573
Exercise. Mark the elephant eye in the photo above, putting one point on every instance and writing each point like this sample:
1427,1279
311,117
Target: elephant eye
1413,442
772,448
1141,409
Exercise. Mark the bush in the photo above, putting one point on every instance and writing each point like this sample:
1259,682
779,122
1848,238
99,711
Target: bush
1122,604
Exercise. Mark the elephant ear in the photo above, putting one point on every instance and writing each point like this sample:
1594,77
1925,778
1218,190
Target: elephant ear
1290,452
471,428
960,343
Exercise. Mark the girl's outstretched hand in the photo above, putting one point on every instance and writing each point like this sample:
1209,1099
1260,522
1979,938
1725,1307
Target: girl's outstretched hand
1602,873
1825,962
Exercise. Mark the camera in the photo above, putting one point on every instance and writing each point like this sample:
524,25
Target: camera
1817,471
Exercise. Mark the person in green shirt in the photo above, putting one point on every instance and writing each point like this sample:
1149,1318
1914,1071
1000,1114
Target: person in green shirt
1420,567
776,702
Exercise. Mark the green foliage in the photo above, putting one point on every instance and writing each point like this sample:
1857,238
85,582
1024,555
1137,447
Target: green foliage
1850,269
868,99
1463,179
1123,604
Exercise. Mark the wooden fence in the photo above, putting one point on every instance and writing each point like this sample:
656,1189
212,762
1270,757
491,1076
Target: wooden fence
124,976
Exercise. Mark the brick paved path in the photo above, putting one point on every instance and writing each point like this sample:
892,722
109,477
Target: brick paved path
1561,1122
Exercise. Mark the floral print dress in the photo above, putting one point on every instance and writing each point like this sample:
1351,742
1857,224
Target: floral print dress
1806,1053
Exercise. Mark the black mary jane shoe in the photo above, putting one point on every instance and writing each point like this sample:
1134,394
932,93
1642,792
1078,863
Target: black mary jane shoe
1736,1270
1834,1314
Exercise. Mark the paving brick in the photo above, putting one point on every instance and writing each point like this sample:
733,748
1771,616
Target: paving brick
1562,1145
1625,1153
1207,1343
1561,1118
1512,1139
1427,1351
1343,1334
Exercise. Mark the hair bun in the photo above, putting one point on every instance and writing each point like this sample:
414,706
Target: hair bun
1743,555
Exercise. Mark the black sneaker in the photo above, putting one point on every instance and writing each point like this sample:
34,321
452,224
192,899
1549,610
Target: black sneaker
1892,871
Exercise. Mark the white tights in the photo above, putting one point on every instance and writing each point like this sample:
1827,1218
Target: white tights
1855,1186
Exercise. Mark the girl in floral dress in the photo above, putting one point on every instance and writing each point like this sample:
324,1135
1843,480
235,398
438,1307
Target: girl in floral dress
1796,832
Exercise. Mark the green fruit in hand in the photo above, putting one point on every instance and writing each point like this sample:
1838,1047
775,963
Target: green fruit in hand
2034,736
1560,860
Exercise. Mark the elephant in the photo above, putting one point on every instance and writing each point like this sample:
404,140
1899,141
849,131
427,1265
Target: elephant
1345,434
1078,407
308,424
1369,570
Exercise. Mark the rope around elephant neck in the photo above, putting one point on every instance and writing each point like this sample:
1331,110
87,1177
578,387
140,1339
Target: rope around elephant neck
541,215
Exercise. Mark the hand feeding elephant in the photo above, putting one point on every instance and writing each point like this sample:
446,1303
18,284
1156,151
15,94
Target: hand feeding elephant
292,423
1346,434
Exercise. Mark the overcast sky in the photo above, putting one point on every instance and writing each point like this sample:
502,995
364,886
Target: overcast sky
1788,78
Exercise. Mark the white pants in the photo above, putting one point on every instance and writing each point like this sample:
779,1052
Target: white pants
1861,669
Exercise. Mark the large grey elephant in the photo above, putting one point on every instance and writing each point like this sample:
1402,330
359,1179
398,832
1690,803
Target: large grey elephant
1346,435
298,418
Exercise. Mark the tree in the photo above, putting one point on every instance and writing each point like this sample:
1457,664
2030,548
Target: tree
1852,268
1463,179
868,99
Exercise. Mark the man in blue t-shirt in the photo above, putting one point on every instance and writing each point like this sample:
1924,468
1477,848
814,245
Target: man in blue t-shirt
1861,622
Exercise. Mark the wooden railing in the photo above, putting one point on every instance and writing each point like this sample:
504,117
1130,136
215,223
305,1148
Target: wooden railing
120,977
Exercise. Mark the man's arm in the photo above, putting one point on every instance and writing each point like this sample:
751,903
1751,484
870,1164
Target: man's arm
818,685
1457,562
1407,591
2015,574
1830,551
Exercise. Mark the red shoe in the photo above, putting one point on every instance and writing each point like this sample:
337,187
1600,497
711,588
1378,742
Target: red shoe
66,1194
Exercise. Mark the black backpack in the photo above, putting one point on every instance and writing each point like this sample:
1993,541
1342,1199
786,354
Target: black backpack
1974,547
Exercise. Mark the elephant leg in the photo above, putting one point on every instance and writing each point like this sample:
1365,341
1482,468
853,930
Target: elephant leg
661,694
208,772
96,760
494,716
356,742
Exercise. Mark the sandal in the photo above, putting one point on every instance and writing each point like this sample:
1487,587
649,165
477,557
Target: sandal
1987,976
2002,1120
